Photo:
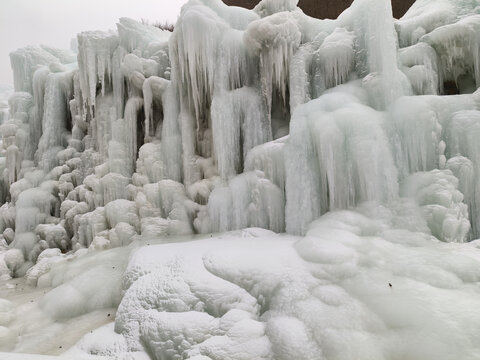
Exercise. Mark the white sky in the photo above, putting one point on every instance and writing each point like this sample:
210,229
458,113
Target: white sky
56,22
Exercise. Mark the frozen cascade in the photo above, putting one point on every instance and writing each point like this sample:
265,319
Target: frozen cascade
340,133
339,152
142,106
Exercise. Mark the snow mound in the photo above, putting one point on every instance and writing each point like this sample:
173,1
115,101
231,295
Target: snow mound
353,286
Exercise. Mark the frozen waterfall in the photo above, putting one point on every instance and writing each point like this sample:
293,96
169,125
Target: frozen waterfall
343,136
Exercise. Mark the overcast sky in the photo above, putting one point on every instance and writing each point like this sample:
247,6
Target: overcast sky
56,22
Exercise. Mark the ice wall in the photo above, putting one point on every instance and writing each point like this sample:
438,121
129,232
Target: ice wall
241,118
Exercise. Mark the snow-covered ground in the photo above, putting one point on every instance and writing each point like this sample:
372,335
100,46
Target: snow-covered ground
257,184
361,284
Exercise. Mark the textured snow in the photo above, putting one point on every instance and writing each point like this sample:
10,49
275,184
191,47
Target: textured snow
257,184
255,294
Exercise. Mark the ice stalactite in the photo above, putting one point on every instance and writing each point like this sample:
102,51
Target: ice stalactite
450,27
118,80
171,144
191,169
193,52
238,123
154,89
325,62
101,129
458,48
95,51
336,57
274,40
300,75
133,108
58,93
39,87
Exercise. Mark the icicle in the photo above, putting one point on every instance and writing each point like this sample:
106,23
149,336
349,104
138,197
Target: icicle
336,54
101,124
57,95
458,47
118,81
237,115
274,39
95,51
153,91
133,106
39,86
193,52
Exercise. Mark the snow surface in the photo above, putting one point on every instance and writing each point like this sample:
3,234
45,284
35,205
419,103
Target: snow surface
257,184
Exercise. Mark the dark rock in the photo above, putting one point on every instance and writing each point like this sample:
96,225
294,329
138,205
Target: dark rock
327,8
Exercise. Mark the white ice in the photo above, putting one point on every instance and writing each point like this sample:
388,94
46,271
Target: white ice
257,184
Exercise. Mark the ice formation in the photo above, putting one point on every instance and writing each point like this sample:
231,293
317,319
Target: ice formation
357,137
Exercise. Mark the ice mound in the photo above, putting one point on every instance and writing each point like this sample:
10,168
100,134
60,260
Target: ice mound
360,283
